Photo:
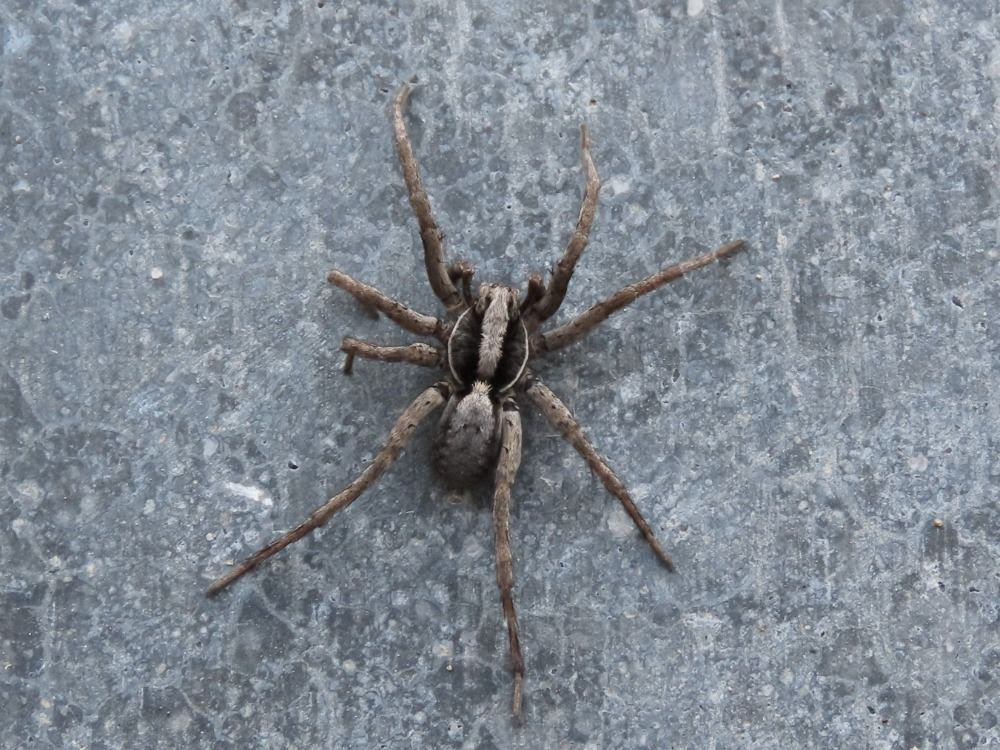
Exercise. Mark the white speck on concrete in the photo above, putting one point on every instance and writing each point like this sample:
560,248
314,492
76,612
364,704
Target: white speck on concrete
209,447
619,524
250,493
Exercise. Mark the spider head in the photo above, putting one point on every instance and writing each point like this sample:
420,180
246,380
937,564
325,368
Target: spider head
489,342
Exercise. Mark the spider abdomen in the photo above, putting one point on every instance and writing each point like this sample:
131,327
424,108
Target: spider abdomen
468,437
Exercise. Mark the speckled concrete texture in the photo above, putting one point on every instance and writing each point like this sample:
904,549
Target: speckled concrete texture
811,428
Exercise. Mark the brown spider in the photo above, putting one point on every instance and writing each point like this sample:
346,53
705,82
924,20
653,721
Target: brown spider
486,341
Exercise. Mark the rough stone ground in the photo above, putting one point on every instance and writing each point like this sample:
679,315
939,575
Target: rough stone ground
811,428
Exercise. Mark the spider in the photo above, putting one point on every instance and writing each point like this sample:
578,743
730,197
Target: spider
486,344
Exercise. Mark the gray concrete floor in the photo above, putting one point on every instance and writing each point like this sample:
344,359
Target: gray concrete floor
811,428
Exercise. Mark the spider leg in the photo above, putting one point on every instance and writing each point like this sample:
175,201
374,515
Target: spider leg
430,234
576,329
559,416
401,433
507,465
558,284
394,310
416,354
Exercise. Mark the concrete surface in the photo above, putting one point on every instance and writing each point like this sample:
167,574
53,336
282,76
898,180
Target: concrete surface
810,428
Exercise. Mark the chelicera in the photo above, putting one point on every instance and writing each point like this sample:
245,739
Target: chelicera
486,344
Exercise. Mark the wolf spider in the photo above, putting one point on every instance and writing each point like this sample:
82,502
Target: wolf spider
486,343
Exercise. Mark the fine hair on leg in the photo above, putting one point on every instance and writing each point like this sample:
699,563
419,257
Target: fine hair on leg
430,234
580,326
507,464
559,416
414,354
559,283
400,435
394,310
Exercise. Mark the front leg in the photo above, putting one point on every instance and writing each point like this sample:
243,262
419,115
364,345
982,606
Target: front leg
430,234
559,283
507,464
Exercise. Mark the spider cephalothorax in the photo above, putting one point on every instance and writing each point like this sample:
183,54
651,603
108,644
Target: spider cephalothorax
485,345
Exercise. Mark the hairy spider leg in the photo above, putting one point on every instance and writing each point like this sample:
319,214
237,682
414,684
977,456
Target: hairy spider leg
560,417
394,310
559,283
430,234
402,431
580,326
507,464
415,354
